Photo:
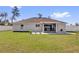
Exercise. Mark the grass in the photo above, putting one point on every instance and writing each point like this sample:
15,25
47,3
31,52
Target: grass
25,42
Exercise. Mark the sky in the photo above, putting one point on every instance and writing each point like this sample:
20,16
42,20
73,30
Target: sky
68,14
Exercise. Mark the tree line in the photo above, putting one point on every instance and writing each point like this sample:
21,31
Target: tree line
4,20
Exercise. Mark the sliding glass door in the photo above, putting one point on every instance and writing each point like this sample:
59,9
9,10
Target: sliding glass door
50,27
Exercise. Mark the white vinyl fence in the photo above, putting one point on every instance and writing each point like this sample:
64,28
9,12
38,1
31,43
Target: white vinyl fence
3,28
72,28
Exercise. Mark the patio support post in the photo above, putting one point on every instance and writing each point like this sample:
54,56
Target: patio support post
56,27
42,28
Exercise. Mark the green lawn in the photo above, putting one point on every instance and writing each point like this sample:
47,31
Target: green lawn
25,42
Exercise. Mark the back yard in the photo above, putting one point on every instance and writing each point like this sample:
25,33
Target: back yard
25,42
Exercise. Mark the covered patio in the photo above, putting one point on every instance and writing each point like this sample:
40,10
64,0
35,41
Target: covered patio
50,28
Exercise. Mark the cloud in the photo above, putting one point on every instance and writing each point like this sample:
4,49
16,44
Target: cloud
17,6
60,15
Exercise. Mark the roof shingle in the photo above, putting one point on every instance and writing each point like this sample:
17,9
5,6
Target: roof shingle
38,20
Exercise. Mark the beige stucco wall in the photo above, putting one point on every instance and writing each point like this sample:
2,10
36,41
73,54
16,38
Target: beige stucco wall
32,26
27,27
60,26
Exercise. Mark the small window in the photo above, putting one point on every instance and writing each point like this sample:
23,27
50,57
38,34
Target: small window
61,30
22,26
37,25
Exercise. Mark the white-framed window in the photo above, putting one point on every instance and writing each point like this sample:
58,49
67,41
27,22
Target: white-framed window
37,25
22,26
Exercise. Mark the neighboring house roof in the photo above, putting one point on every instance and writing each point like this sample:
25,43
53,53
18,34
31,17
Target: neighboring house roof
38,20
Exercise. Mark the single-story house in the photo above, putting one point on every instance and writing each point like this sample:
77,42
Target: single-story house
41,25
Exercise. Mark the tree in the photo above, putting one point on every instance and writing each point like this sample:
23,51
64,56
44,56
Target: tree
40,15
15,13
1,16
49,17
5,17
